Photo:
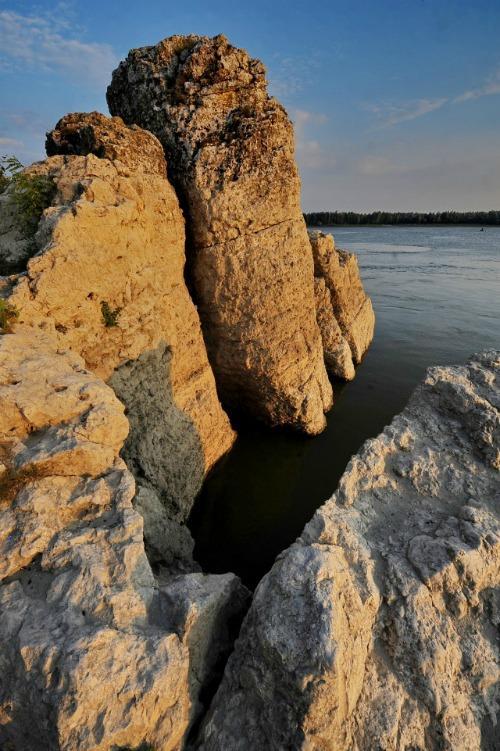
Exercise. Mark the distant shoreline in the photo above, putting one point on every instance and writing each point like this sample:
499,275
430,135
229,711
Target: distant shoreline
409,219
395,224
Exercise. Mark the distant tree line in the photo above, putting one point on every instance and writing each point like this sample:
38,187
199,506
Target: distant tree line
331,218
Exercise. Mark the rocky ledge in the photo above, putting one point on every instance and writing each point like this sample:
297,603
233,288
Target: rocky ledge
379,627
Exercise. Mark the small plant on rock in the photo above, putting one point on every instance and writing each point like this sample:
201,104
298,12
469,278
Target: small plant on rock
8,314
109,315
30,192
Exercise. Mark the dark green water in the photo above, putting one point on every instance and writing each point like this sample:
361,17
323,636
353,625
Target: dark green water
436,294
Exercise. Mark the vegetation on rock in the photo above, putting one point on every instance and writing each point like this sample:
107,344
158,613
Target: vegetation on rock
31,193
8,314
109,315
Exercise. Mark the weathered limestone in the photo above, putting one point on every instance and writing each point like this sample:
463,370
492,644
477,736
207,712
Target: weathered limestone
107,137
96,654
379,627
352,308
337,353
230,155
114,237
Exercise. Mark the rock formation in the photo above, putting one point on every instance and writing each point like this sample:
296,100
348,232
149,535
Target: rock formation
351,307
96,653
230,155
107,282
336,350
379,627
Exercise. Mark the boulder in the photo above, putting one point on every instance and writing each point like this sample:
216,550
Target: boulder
378,628
351,306
230,155
107,282
96,653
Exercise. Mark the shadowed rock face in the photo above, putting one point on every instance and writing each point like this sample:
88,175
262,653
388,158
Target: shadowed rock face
378,628
348,302
230,154
114,236
96,653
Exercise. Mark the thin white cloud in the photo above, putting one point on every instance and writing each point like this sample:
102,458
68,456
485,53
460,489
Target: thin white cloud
5,141
290,74
392,114
374,166
36,41
310,153
489,88
301,118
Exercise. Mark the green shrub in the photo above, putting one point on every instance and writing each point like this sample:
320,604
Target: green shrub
31,193
8,314
109,315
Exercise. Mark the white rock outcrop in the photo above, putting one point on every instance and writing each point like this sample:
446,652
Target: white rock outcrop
379,628
95,652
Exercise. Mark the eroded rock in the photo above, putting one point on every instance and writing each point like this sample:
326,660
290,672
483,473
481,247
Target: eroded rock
108,283
230,154
378,628
96,654
337,353
351,307
108,138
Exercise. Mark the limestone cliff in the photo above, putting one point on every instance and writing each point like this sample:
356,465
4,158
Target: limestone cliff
378,628
107,282
96,653
230,155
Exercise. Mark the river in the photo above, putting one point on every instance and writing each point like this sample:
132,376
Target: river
436,294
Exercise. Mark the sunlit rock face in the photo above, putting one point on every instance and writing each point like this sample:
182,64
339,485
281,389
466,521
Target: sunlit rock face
348,302
378,628
230,155
108,282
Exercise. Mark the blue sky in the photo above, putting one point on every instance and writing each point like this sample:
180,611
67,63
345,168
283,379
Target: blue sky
396,103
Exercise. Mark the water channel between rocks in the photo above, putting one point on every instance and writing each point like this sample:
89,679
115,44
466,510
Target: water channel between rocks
436,294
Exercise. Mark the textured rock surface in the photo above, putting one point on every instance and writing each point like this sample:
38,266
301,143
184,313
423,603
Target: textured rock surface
108,138
352,308
83,665
379,627
95,653
337,353
115,236
230,155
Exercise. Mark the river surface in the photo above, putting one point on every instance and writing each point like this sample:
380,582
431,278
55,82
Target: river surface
436,294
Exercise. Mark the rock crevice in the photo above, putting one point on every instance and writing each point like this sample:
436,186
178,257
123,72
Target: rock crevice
230,152
378,628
